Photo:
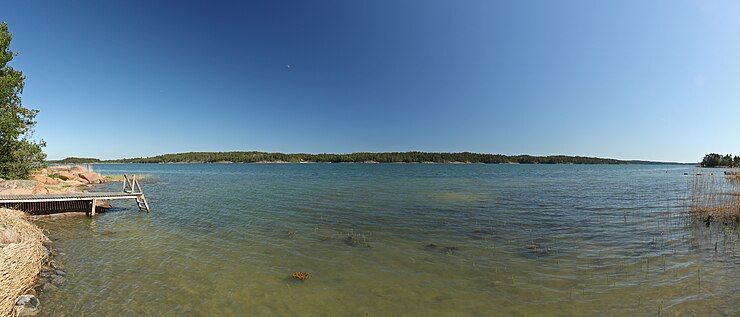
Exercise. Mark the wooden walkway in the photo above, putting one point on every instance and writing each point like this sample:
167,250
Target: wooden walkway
85,201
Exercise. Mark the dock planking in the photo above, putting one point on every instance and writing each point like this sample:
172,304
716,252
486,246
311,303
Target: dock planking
84,201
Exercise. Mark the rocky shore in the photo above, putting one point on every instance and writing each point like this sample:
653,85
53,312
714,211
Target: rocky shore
56,179
27,264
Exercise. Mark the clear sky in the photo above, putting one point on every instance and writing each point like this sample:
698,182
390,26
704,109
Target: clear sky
657,80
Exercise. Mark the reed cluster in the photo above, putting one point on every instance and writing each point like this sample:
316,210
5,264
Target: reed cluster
715,198
734,178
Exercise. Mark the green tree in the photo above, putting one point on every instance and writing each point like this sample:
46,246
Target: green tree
19,155
711,160
726,161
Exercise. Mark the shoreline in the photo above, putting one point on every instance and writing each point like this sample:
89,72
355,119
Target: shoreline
28,263
27,256
57,180
23,255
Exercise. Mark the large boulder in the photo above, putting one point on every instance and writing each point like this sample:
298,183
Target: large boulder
65,175
45,180
91,177
16,184
39,177
103,204
77,170
17,187
50,181
39,189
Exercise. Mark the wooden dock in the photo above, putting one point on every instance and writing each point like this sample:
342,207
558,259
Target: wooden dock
84,201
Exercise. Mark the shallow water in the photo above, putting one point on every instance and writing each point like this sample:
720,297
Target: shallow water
398,239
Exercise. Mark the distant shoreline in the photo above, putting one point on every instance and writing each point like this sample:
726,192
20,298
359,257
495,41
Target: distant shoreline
359,158
450,163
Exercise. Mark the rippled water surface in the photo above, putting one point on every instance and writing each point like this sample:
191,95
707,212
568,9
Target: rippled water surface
397,239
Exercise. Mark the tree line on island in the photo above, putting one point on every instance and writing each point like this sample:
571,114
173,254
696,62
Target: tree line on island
359,157
717,160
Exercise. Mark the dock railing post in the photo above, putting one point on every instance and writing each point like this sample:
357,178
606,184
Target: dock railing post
125,182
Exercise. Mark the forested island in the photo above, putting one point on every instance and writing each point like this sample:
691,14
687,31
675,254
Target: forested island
77,160
717,160
359,157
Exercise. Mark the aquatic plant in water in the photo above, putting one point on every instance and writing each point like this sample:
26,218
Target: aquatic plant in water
448,250
714,198
356,240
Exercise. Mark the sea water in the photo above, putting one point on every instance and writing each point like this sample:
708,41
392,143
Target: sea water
397,240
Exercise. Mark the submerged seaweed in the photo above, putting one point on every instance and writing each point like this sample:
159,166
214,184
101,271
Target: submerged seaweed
356,240
449,250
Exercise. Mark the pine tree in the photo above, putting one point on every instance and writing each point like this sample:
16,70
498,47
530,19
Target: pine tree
19,155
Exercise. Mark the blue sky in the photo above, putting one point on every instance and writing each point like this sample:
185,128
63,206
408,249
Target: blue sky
656,80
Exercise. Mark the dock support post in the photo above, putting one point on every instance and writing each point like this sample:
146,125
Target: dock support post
146,205
92,211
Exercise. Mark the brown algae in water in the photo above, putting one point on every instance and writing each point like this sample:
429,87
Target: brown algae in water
301,276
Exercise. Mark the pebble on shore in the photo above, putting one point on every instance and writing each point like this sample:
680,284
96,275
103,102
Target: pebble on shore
27,305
